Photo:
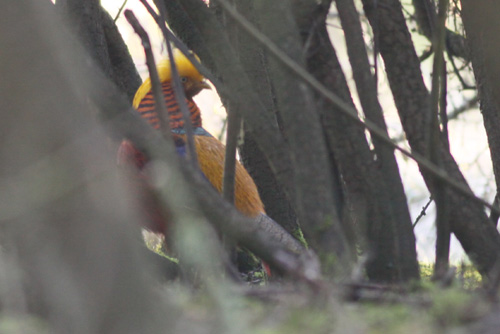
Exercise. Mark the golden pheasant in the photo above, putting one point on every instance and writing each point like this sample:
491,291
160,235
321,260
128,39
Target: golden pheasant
210,151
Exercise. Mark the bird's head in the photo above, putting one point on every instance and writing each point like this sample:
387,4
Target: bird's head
192,86
191,79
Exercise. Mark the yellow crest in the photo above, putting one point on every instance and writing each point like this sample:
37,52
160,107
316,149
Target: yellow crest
184,67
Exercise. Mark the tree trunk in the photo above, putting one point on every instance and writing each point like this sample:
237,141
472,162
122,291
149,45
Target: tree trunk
482,38
386,159
301,121
252,58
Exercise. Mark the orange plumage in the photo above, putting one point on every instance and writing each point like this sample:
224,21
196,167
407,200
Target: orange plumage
211,159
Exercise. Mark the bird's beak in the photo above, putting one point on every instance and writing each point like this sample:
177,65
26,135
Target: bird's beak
192,88
204,85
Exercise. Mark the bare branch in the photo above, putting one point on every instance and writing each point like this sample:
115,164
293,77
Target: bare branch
155,79
423,212
158,92
233,130
120,10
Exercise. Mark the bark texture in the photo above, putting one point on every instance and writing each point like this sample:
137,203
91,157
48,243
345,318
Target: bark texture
252,58
482,38
301,121
386,159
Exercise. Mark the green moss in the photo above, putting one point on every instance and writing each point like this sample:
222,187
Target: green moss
299,321
308,322
469,277
328,261
388,319
426,271
297,233
466,276
447,306
22,324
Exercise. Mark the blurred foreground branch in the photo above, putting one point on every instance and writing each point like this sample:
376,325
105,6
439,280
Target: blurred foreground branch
66,226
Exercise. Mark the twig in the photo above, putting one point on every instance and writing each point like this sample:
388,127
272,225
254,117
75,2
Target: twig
443,106
120,11
375,45
469,104
423,212
153,74
233,129
348,110
457,73
427,53
443,229
180,97
223,129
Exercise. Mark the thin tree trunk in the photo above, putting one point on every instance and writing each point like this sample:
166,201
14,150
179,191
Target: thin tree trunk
251,56
482,38
365,186
386,159
312,171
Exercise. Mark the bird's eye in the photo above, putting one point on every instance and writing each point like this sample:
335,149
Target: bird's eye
184,79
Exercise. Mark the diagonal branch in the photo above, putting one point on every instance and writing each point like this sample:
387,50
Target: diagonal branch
233,129
120,10
181,101
150,62
158,92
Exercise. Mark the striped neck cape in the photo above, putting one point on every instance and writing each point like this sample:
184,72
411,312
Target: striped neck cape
147,110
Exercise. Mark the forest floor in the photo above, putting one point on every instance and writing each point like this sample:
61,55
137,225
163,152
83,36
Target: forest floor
282,308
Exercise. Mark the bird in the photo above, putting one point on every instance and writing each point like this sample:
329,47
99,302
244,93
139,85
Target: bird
209,150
